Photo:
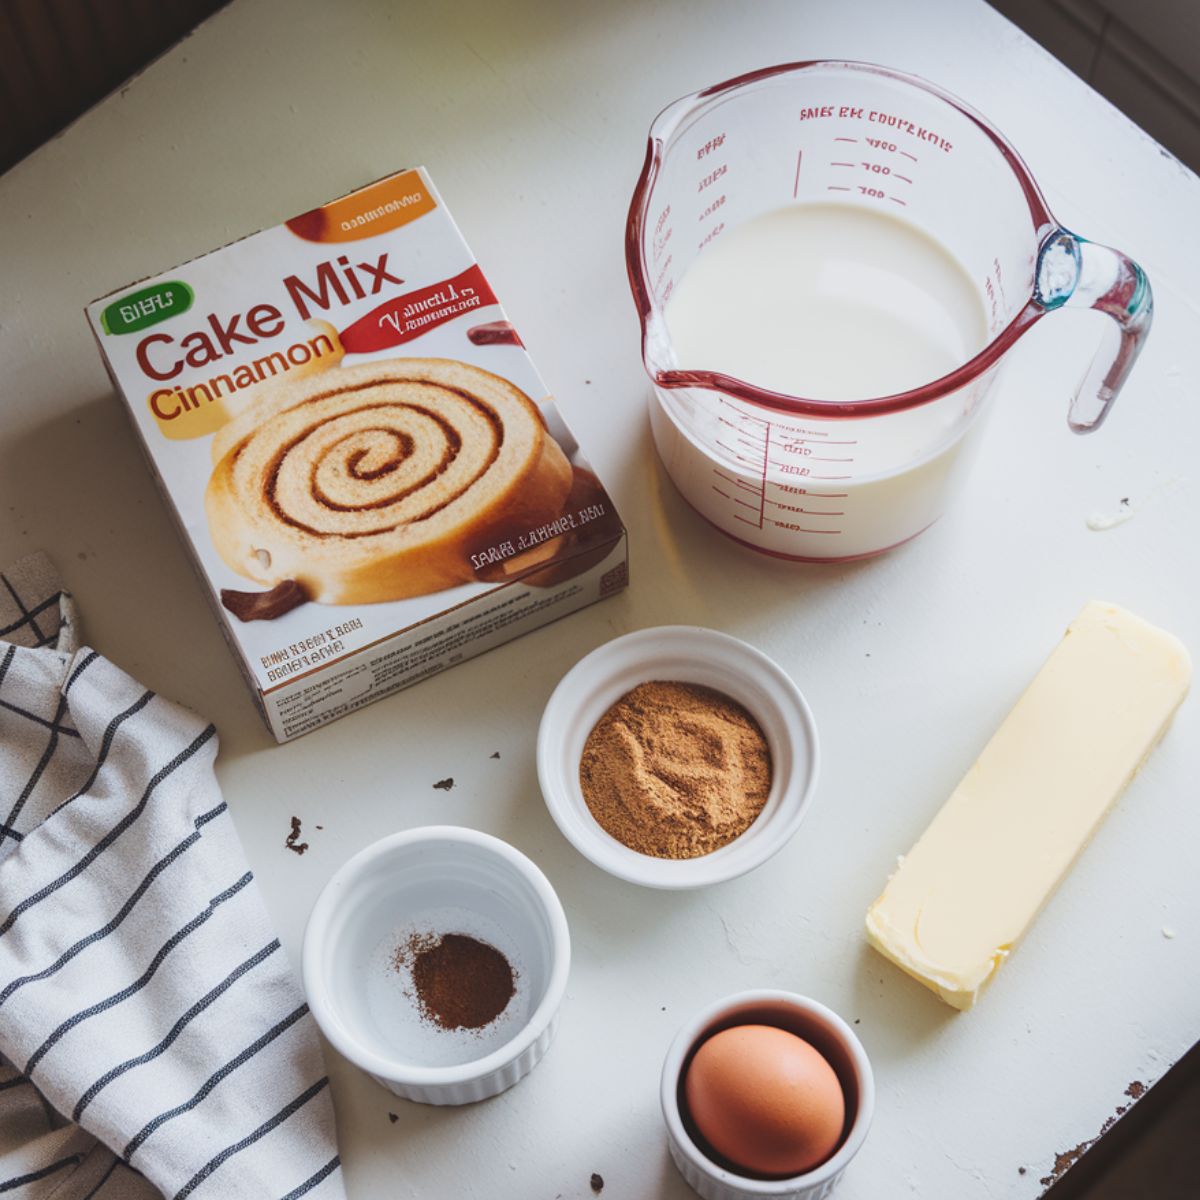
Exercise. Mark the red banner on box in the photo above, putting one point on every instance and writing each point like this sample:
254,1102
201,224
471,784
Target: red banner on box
406,317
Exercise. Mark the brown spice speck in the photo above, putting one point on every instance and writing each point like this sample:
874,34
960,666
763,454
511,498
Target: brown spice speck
393,1118
444,785
293,839
597,1182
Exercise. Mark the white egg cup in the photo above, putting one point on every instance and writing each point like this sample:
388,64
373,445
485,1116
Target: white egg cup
680,654
820,1027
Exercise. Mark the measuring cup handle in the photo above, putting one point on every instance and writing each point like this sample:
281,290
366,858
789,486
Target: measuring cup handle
1075,272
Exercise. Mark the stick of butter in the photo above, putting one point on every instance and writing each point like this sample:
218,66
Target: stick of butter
961,899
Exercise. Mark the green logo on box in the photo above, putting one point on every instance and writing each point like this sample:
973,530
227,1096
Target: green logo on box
147,306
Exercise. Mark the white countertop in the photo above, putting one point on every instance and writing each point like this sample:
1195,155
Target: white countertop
532,119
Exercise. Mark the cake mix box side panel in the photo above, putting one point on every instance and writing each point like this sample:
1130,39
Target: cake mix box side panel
349,429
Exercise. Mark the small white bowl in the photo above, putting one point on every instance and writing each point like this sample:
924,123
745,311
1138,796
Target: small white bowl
681,654
817,1025
446,879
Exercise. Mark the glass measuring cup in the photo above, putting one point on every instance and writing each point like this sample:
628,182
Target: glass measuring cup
817,479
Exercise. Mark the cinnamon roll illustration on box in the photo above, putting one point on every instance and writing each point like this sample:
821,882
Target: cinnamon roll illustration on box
378,482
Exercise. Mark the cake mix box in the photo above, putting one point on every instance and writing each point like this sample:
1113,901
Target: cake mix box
366,466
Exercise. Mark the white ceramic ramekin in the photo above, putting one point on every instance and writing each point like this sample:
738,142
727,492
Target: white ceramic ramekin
433,869
683,654
819,1026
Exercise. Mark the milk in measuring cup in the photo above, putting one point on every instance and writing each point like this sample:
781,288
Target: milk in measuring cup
827,302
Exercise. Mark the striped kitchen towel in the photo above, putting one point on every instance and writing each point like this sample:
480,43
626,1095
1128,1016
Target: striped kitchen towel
153,1039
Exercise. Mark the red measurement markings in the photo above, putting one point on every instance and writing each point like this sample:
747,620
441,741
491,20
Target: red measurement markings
712,208
736,482
897,175
663,289
999,279
712,233
739,457
796,185
800,528
841,164
831,188
841,139
874,193
798,506
744,486
793,490
992,302
902,203
713,143
744,434
907,155
791,469
742,417
877,144
712,177
762,500
791,438
876,168
660,242
733,499
808,512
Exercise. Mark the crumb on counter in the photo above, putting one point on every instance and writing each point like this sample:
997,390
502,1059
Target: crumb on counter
293,841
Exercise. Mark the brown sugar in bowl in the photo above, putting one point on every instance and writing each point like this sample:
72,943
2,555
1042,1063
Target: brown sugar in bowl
686,655
675,770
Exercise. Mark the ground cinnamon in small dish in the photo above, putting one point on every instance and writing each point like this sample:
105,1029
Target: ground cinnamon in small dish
460,982
675,770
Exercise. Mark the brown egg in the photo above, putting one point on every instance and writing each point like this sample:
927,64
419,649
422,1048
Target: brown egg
765,1100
